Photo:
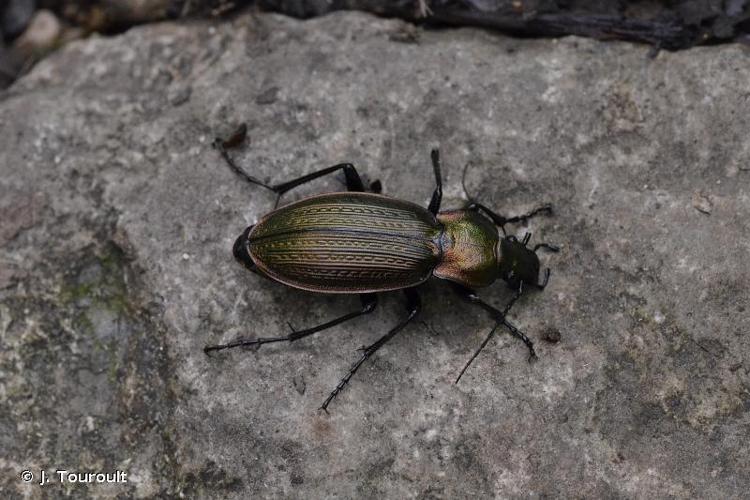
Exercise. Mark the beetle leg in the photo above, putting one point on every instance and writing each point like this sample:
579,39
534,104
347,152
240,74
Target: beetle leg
544,282
500,318
353,181
234,140
542,209
551,248
548,246
414,305
369,302
501,221
476,353
437,195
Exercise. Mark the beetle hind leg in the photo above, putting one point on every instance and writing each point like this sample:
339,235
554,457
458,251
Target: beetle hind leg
369,303
234,140
353,180
414,305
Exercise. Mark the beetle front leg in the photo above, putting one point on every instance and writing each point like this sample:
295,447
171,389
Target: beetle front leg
501,319
369,303
501,221
547,272
414,304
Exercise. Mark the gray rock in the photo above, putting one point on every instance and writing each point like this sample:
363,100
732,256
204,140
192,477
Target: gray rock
41,35
124,271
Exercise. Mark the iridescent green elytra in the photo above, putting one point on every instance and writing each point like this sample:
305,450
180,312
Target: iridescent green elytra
364,243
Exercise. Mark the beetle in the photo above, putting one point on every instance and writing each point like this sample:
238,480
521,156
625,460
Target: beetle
358,242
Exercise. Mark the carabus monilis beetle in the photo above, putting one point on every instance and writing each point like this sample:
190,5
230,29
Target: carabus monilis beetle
364,243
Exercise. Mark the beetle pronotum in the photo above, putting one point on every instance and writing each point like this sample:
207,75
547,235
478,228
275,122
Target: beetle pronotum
365,243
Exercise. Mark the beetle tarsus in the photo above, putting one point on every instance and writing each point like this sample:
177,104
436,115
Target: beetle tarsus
532,354
501,220
234,140
544,282
546,246
542,209
245,343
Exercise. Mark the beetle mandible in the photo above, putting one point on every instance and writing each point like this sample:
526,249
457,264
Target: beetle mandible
365,243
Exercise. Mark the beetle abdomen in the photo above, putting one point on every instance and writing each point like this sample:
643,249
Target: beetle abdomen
347,242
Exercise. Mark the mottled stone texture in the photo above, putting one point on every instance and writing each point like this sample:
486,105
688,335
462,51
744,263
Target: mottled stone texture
116,269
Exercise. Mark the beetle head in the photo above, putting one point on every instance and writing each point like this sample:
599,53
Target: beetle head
240,249
517,263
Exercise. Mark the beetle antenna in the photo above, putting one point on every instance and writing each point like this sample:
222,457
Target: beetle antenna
484,343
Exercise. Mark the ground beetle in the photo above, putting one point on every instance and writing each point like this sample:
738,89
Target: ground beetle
364,243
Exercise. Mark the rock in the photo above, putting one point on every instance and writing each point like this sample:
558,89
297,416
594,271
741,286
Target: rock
8,275
18,211
103,325
41,35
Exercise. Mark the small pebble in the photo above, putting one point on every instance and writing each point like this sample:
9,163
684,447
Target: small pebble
702,203
552,335
268,96
41,35
299,384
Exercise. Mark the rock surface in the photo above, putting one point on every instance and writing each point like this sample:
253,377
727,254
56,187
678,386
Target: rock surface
118,270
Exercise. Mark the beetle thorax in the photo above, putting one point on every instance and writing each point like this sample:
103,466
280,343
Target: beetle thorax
469,249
